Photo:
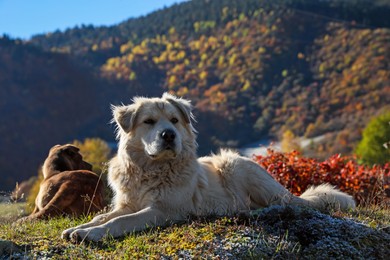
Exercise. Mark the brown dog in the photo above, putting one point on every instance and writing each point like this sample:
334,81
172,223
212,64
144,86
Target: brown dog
69,186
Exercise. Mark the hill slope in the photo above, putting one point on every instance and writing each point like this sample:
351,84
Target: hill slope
45,99
269,70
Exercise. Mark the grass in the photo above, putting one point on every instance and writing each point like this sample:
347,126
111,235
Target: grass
238,237
11,211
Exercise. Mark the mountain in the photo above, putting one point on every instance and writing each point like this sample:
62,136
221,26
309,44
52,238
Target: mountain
269,70
310,67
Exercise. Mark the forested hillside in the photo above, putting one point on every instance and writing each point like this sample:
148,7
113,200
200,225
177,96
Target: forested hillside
253,69
46,99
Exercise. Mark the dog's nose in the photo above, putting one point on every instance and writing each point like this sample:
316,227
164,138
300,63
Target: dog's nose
168,135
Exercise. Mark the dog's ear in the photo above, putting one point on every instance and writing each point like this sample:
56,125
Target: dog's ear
71,150
183,105
124,116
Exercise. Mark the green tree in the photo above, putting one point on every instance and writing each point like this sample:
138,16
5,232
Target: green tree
373,148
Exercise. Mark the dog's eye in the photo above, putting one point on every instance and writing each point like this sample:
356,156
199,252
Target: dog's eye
174,120
149,121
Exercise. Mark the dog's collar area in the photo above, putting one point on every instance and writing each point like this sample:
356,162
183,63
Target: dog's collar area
163,154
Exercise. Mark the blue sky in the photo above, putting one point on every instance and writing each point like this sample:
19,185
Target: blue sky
24,18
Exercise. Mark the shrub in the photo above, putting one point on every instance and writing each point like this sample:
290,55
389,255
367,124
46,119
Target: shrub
373,148
297,173
32,194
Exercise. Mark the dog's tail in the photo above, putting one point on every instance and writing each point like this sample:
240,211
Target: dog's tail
325,196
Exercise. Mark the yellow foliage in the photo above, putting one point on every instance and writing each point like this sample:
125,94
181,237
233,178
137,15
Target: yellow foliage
95,47
212,42
95,151
144,43
172,56
310,130
177,45
172,30
156,60
126,47
290,142
196,26
30,200
227,41
221,61
139,50
261,50
132,76
246,86
232,59
130,58
195,45
112,62
181,55
169,46
182,91
178,68
172,80
203,75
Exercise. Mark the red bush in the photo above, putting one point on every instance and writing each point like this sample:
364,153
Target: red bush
297,173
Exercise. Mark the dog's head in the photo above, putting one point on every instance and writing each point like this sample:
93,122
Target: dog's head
160,128
64,158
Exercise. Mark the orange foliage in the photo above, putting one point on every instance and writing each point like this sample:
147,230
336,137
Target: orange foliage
296,173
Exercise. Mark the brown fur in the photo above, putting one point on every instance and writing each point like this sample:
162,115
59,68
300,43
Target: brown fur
69,186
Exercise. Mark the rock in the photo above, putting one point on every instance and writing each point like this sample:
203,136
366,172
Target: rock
8,247
324,237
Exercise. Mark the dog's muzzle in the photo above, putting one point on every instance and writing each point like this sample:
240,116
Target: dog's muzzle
86,166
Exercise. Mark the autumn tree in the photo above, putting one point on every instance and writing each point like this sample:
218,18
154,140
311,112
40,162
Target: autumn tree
290,142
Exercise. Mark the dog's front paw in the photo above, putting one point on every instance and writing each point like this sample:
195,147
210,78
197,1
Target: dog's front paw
66,233
88,234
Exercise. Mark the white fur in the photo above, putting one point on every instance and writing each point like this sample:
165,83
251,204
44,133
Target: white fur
154,186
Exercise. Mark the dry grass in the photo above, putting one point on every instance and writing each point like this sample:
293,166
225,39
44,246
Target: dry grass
11,211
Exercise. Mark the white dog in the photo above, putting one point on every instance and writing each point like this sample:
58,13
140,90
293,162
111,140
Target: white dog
158,179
